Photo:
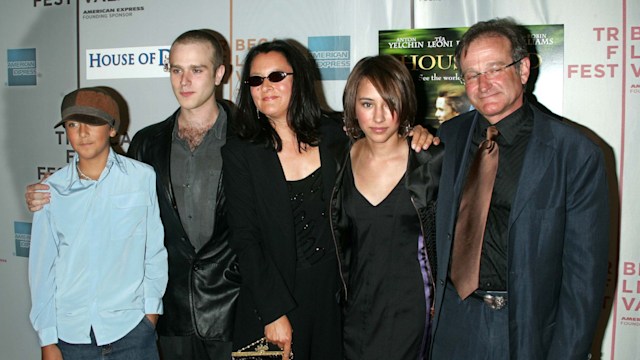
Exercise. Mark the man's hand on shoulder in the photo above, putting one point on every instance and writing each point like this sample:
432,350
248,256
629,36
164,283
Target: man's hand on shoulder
37,195
422,138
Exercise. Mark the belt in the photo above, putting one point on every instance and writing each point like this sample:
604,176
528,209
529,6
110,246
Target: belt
495,300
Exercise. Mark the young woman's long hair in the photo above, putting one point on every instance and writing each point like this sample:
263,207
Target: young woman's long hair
304,111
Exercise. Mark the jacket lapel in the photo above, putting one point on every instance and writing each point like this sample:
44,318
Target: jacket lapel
540,151
162,165
461,158
329,166
273,187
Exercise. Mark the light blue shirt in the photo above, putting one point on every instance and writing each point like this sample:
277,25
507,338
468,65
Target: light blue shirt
97,257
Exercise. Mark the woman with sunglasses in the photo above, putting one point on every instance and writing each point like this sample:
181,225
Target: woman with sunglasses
278,176
383,217
275,189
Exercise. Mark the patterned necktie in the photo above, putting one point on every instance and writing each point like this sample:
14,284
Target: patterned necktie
472,216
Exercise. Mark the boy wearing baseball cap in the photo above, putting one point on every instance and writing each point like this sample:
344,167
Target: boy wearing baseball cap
97,263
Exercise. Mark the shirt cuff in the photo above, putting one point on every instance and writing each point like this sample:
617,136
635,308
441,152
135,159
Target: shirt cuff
48,336
153,306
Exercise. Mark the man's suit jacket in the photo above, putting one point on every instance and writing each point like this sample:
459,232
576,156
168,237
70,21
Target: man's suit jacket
262,222
557,237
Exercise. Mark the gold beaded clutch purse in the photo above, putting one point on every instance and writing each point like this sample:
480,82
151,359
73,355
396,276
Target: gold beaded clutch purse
258,350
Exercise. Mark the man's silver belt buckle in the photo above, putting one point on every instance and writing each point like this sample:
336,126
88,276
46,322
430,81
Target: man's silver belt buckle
494,302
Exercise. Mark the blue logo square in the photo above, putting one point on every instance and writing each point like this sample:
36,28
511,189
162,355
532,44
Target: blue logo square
332,55
22,232
21,67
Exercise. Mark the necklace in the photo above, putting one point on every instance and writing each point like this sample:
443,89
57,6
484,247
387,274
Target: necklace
82,175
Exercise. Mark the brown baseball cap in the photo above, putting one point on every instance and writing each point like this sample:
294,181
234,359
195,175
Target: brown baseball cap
92,105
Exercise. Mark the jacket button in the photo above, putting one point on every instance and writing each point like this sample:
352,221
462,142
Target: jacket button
196,267
441,282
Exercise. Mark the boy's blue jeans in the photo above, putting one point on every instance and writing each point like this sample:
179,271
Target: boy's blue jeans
138,344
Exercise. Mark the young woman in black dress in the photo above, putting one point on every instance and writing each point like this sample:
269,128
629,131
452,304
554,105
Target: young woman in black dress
383,216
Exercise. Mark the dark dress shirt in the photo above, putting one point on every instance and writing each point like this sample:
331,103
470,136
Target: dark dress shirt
195,176
515,131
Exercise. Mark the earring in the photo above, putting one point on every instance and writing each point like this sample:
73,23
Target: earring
348,129
407,129
258,113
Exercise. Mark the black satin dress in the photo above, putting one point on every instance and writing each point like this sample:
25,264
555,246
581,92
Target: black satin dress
387,315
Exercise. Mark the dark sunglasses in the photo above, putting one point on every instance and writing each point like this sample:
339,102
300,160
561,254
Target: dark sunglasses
274,77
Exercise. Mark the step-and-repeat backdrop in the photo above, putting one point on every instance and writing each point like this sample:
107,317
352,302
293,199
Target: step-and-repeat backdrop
50,47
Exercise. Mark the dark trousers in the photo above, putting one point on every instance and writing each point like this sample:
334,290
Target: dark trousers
138,344
193,348
316,322
470,329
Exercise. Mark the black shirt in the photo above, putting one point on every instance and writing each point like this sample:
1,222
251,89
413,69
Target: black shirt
515,131
313,238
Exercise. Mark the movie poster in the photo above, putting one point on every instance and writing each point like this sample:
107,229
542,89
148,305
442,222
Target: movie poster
429,56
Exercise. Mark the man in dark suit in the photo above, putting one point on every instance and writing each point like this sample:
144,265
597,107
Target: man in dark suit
543,262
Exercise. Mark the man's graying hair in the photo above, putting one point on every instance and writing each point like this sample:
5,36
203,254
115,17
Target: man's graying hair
505,27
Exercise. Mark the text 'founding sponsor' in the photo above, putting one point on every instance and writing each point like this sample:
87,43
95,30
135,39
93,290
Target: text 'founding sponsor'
110,13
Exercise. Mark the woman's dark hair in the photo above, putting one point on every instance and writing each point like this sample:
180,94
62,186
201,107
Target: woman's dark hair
304,110
392,80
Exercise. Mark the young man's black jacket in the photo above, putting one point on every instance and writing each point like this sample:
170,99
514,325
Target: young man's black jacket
203,286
